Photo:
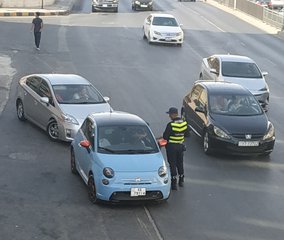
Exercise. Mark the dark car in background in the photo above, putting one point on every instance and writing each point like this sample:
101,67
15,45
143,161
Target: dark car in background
142,5
104,5
228,118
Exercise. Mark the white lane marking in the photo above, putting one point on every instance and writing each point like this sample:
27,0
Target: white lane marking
213,24
153,224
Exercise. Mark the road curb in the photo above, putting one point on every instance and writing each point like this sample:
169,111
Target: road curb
32,13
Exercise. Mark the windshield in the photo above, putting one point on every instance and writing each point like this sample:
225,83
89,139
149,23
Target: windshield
77,94
130,139
240,69
165,21
234,105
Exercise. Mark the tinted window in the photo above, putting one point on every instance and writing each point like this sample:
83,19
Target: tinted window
33,83
240,69
90,132
165,21
77,94
126,140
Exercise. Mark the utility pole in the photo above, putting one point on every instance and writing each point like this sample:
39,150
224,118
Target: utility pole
41,4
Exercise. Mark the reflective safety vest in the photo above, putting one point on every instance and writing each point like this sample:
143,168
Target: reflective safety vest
178,129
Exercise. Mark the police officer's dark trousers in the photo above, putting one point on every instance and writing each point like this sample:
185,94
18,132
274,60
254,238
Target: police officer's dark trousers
175,159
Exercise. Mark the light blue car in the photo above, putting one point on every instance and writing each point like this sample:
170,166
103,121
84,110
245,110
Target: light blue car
118,157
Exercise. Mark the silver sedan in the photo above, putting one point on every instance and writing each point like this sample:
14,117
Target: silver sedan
58,103
237,69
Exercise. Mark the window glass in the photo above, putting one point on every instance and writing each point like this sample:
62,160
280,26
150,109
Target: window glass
132,139
165,21
44,91
196,93
241,70
34,83
77,94
90,132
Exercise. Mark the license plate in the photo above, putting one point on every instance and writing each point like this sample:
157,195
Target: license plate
168,39
135,192
248,143
104,5
144,6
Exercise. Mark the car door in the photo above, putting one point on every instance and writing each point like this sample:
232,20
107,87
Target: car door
201,119
190,104
147,25
86,156
44,111
31,96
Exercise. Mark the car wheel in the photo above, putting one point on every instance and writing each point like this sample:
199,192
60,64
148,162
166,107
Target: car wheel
206,144
92,190
73,163
179,44
21,111
93,9
116,9
52,130
150,8
144,36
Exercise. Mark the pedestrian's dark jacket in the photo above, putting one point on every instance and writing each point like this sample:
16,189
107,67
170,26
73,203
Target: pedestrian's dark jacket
176,130
37,24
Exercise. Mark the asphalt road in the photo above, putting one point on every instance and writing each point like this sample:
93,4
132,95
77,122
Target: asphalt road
224,197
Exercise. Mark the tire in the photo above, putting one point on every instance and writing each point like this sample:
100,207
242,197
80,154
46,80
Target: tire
206,144
73,163
52,130
93,9
179,44
92,193
21,111
116,10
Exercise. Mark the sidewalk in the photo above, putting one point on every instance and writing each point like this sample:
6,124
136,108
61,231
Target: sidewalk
61,7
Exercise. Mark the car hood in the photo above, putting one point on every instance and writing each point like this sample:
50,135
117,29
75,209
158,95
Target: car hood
166,29
132,162
253,84
241,124
81,111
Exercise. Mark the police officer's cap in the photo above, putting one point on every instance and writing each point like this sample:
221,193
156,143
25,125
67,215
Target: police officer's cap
172,110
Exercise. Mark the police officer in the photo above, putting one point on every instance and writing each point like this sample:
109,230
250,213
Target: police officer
174,133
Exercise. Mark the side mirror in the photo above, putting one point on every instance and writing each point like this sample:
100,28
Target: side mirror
264,73
213,70
86,144
181,25
162,142
44,100
107,99
199,109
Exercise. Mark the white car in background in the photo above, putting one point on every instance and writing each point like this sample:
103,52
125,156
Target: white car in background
237,69
163,28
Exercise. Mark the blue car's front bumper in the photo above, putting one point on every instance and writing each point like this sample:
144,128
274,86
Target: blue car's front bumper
119,188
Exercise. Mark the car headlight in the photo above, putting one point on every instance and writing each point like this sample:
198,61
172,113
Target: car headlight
270,131
220,133
108,172
137,2
157,33
178,34
162,171
70,119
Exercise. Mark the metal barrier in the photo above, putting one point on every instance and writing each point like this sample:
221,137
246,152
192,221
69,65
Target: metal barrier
264,14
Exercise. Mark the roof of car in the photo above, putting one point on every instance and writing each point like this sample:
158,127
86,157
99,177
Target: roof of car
116,118
162,15
222,87
57,79
234,58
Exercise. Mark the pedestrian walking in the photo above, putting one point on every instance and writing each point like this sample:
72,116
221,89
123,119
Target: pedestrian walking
175,133
37,26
